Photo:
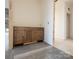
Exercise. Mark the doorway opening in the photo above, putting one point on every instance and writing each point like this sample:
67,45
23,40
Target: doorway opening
63,38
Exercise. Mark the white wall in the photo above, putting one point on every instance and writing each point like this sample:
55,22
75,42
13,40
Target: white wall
60,21
27,13
48,16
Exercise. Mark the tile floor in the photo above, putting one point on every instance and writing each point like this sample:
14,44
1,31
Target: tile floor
27,48
64,45
36,51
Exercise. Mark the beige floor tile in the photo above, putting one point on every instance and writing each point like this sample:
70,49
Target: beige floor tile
64,45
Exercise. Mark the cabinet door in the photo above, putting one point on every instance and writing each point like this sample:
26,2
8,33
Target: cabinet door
18,36
37,35
28,36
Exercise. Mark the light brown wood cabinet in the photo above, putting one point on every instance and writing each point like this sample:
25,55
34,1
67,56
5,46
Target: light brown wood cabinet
28,37
19,35
37,35
27,34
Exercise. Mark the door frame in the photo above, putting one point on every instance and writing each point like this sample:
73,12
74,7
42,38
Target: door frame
55,19
10,25
54,24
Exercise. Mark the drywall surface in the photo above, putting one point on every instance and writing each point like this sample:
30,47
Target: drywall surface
27,13
48,16
60,20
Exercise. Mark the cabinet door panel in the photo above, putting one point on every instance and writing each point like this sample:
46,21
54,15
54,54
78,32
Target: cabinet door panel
37,35
18,37
28,37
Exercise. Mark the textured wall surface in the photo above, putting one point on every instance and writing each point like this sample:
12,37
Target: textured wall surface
27,13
